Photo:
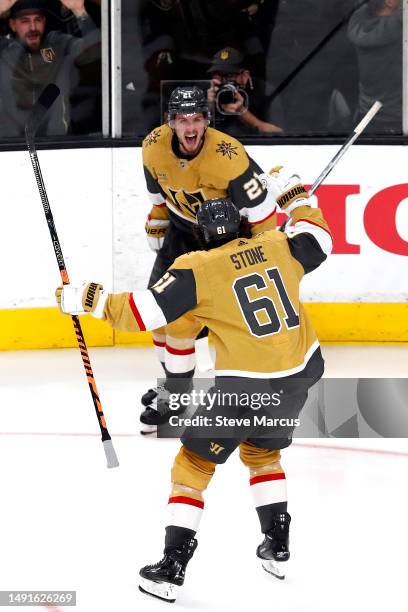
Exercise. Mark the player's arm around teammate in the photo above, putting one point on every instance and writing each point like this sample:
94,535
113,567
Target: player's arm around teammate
187,286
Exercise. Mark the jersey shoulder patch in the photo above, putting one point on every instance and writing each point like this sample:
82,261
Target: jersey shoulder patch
225,155
156,139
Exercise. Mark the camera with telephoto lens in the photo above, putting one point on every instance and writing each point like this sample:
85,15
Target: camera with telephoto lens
226,95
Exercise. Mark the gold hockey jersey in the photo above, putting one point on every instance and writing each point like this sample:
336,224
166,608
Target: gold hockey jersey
246,292
178,185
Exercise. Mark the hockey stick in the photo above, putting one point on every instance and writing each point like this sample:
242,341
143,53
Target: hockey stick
334,161
352,138
44,102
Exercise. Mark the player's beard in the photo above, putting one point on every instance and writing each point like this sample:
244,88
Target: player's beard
32,40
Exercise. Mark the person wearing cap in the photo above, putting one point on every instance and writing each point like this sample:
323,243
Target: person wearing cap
32,58
243,109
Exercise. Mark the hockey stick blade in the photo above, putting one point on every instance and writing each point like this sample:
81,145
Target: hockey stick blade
44,102
110,454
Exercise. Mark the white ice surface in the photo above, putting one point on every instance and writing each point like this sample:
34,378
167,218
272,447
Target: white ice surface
69,523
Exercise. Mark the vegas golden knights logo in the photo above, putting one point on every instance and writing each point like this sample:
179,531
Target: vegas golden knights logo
187,203
216,448
48,55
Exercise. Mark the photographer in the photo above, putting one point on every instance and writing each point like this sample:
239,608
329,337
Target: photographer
239,102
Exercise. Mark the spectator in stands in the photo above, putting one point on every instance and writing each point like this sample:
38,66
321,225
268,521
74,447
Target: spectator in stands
246,110
314,65
376,31
86,96
179,37
59,17
32,58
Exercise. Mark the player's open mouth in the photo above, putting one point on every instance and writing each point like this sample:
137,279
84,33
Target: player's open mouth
191,140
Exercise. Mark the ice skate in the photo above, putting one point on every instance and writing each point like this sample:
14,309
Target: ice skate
274,550
164,578
156,409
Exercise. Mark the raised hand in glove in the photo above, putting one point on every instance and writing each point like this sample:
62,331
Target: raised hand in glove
156,230
287,189
157,224
87,298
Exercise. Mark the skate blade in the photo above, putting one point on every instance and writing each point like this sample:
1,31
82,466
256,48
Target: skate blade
273,567
163,590
148,430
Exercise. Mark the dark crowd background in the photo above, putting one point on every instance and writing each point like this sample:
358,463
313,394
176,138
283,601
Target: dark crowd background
300,67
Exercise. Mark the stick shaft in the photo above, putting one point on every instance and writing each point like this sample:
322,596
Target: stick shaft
350,140
109,450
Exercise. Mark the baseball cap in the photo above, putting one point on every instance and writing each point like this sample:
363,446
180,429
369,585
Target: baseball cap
227,60
22,7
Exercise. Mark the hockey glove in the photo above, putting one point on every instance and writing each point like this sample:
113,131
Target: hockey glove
156,230
287,190
87,298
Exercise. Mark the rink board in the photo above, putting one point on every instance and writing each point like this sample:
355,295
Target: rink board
99,204
48,328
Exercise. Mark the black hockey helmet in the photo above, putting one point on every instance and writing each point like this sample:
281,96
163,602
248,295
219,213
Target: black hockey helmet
218,220
188,101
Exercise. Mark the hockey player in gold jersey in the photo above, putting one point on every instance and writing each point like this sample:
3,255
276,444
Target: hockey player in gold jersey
246,290
185,163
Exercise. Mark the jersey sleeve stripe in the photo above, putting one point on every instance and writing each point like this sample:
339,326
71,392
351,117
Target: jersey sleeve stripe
136,313
265,218
313,223
322,236
146,310
257,214
156,199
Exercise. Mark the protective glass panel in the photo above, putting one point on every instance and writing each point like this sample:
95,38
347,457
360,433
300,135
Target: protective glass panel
41,42
285,68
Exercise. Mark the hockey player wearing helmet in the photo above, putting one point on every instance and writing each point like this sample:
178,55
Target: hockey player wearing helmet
246,290
189,118
185,163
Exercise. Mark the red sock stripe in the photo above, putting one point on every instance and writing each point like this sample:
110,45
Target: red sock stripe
175,351
136,313
159,344
181,499
266,477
